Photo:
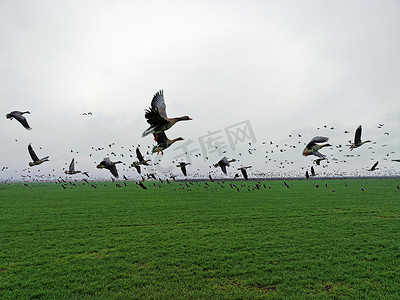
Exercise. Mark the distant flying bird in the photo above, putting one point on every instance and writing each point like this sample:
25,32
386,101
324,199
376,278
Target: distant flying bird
109,165
35,158
183,165
223,163
312,147
163,142
357,139
71,170
140,161
244,171
139,183
140,158
18,115
373,168
156,116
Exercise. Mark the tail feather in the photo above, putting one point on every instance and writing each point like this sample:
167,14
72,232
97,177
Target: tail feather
45,158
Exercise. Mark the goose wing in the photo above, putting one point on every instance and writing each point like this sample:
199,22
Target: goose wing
72,166
375,165
183,169
139,155
244,173
357,136
114,171
138,169
319,154
153,117
162,138
317,139
32,153
312,171
223,168
224,161
158,104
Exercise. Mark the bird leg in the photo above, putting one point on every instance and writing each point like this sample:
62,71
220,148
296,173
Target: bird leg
155,136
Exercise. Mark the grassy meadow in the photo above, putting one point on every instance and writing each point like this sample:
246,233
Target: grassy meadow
201,240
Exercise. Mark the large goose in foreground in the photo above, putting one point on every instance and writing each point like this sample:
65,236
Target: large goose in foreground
157,117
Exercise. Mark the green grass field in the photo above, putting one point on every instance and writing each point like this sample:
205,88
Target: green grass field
188,241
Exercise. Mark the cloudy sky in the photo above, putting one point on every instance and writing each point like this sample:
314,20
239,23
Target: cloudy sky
284,67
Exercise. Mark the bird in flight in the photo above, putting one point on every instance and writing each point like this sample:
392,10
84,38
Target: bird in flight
140,161
373,168
157,117
163,142
312,147
18,115
71,170
109,165
223,163
244,172
357,139
35,159
183,165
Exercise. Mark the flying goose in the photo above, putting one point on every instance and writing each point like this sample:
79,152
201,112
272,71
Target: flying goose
312,147
373,168
18,115
163,142
35,159
183,165
357,139
71,169
223,163
140,161
156,116
109,165
244,172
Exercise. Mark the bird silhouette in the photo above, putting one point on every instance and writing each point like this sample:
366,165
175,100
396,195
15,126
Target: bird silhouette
357,139
312,147
156,116
35,159
18,115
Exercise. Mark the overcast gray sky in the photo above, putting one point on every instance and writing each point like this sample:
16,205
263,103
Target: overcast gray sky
287,67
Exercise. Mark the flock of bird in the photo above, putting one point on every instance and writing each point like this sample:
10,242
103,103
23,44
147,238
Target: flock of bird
159,123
